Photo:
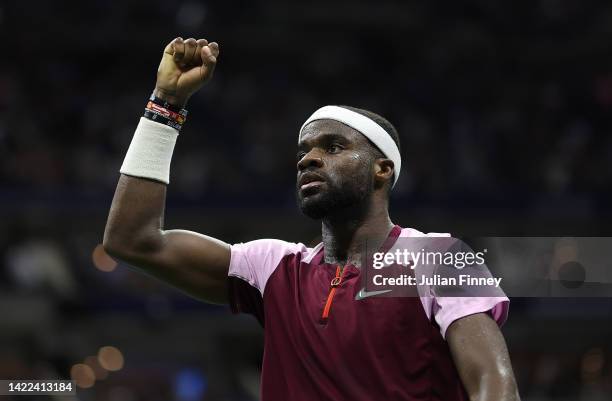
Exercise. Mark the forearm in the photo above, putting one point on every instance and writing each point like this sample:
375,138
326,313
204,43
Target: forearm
496,386
482,360
135,219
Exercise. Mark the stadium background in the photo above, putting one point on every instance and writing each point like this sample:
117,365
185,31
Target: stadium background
504,110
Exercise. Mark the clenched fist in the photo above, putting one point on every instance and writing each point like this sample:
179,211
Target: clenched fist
185,66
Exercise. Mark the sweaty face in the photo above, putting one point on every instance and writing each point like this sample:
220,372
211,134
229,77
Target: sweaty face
334,168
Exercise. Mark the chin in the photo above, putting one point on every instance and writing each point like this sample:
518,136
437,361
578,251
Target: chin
314,206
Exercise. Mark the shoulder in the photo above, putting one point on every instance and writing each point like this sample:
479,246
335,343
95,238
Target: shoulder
255,261
411,232
268,250
270,247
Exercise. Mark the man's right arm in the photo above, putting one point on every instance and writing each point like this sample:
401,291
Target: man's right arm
134,232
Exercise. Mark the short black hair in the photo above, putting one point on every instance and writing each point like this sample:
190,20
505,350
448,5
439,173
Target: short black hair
384,123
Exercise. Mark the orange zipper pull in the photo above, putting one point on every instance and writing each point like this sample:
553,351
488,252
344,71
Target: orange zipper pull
332,291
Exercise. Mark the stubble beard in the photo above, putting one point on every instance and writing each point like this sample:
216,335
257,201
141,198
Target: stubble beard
336,197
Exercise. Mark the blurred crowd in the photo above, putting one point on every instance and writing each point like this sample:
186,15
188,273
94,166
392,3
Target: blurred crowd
504,110
507,104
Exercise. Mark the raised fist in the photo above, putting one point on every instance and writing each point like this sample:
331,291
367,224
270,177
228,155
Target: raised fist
185,66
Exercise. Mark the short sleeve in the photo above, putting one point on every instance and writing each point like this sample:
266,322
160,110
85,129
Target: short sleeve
448,309
251,265
491,300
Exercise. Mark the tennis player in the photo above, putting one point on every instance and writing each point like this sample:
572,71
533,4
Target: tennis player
325,339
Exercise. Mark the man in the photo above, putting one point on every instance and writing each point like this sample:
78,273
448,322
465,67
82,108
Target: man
321,341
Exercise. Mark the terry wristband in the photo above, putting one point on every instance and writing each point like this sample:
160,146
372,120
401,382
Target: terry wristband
150,151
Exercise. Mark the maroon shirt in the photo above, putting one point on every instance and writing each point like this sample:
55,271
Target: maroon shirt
321,344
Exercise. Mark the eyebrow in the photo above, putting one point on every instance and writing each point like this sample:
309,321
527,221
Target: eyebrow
324,138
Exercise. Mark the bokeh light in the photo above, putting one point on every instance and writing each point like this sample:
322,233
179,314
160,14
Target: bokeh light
592,364
98,370
101,260
82,375
110,358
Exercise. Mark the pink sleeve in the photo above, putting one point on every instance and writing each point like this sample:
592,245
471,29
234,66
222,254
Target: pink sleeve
255,261
448,309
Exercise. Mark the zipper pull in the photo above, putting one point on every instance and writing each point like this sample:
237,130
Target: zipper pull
335,282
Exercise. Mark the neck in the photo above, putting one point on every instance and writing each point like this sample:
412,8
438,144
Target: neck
345,234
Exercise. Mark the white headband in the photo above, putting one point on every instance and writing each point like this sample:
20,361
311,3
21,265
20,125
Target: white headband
366,126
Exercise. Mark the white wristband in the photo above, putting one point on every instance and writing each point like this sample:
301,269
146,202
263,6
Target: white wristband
150,152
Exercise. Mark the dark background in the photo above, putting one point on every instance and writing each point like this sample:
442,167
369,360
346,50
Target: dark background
504,112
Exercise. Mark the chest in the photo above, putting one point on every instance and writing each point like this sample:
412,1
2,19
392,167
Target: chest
317,303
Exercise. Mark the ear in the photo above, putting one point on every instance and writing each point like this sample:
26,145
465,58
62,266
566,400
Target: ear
383,172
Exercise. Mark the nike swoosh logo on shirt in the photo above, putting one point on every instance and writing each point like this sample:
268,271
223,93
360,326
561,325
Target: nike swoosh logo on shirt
362,294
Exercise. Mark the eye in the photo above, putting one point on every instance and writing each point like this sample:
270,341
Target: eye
334,148
300,155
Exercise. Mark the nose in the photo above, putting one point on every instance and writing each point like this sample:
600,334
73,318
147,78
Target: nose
310,159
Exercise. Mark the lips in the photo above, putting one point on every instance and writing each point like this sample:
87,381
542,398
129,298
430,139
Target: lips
309,180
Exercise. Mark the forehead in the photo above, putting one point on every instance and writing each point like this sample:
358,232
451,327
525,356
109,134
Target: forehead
319,129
